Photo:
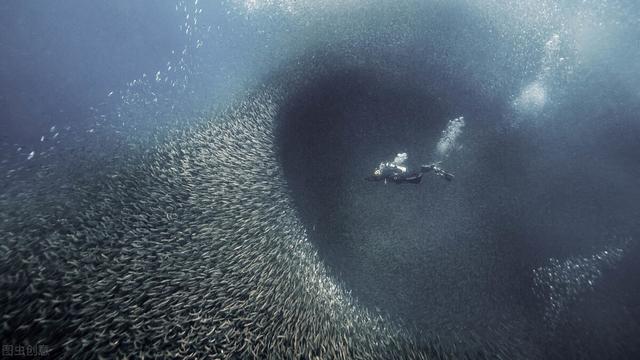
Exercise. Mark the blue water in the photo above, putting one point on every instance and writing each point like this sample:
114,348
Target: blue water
533,247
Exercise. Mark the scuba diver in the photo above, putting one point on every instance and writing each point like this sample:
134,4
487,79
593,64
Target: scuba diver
396,171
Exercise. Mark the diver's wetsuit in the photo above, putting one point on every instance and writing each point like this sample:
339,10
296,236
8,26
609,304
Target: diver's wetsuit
414,178
396,172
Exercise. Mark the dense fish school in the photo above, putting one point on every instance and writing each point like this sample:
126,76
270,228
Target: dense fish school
192,250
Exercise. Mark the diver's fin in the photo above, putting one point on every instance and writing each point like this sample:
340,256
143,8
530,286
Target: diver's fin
444,174
437,170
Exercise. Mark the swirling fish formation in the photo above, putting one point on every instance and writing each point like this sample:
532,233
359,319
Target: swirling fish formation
193,250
